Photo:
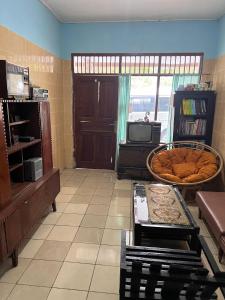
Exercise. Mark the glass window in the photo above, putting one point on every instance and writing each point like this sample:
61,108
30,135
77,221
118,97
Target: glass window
142,98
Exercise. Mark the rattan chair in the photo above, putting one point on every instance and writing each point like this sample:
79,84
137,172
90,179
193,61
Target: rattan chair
185,144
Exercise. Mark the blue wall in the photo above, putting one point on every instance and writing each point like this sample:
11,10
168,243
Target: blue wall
33,21
177,36
221,47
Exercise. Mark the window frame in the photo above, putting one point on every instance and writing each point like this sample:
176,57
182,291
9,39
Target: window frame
158,74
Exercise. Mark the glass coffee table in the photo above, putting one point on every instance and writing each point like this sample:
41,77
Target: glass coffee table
160,212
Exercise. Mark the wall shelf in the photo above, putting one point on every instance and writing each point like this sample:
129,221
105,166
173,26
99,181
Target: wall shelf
14,167
19,122
20,146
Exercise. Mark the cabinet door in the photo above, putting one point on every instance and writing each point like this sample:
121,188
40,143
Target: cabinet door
4,170
13,230
25,217
46,136
3,250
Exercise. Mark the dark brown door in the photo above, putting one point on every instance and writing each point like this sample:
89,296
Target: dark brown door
95,121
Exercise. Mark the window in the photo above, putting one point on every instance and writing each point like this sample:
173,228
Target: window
138,64
142,98
153,77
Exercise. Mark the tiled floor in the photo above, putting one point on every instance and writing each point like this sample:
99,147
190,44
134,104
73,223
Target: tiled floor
75,252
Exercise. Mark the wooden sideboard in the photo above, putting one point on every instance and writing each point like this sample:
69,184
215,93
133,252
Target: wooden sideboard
23,203
132,161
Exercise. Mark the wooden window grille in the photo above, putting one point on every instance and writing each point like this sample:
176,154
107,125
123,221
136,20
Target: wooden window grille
138,64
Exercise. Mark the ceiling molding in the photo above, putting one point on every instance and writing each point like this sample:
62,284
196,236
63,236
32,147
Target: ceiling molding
65,11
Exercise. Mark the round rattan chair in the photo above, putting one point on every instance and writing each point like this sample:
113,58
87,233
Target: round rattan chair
186,144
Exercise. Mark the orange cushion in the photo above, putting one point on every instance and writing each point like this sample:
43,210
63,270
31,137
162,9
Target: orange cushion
171,177
208,170
205,159
177,155
184,165
193,178
158,168
193,155
184,169
164,159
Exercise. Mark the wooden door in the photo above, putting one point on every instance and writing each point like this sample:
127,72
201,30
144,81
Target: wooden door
95,121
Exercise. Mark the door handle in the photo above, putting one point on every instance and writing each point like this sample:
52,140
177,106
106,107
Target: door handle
115,126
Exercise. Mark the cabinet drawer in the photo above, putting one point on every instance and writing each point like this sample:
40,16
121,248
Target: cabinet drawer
133,157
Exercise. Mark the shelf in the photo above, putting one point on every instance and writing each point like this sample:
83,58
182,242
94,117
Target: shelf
20,146
14,167
204,116
192,136
19,122
17,187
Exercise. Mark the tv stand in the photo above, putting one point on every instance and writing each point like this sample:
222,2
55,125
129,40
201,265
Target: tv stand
132,161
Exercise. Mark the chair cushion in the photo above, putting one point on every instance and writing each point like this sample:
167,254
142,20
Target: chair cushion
184,169
212,206
189,165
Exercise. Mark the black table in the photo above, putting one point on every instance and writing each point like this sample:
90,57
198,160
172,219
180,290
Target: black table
145,230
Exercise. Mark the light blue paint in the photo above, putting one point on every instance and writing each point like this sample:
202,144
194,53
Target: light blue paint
32,20
221,45
176,36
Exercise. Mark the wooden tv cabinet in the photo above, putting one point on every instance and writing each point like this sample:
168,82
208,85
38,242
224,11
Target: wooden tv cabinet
132,161
23,203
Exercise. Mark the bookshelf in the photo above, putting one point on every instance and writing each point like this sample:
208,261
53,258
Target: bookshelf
25,132
193,115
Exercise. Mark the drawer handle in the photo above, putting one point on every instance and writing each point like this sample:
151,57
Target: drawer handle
25,202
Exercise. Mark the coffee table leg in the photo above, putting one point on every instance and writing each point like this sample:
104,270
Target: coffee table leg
195,244
137,236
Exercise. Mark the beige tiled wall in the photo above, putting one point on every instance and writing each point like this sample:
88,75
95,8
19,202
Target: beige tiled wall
219,118
68,113
45,71
208,70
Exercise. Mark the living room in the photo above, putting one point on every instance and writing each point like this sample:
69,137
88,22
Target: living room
74,50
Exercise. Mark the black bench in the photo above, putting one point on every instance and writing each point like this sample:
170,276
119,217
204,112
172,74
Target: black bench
161,273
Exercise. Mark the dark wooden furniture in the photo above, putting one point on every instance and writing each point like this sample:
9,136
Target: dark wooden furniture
211,210
132,161
95,118
23,203
144,229
162,273
194,111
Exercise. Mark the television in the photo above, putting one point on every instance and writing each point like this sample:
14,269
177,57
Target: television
143,132
14,81
15,84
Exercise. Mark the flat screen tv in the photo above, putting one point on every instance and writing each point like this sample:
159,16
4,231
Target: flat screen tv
143,132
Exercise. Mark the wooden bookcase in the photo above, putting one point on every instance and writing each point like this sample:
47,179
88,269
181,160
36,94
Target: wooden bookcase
23,203
194,115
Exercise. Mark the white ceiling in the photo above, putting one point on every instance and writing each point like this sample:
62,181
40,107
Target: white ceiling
135,10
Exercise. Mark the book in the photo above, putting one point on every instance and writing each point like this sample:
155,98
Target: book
193,107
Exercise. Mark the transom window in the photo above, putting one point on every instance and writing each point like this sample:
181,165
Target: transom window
138,64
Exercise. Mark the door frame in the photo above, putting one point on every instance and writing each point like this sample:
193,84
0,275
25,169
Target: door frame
74,121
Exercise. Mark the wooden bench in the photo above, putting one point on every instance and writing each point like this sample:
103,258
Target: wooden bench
161,273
